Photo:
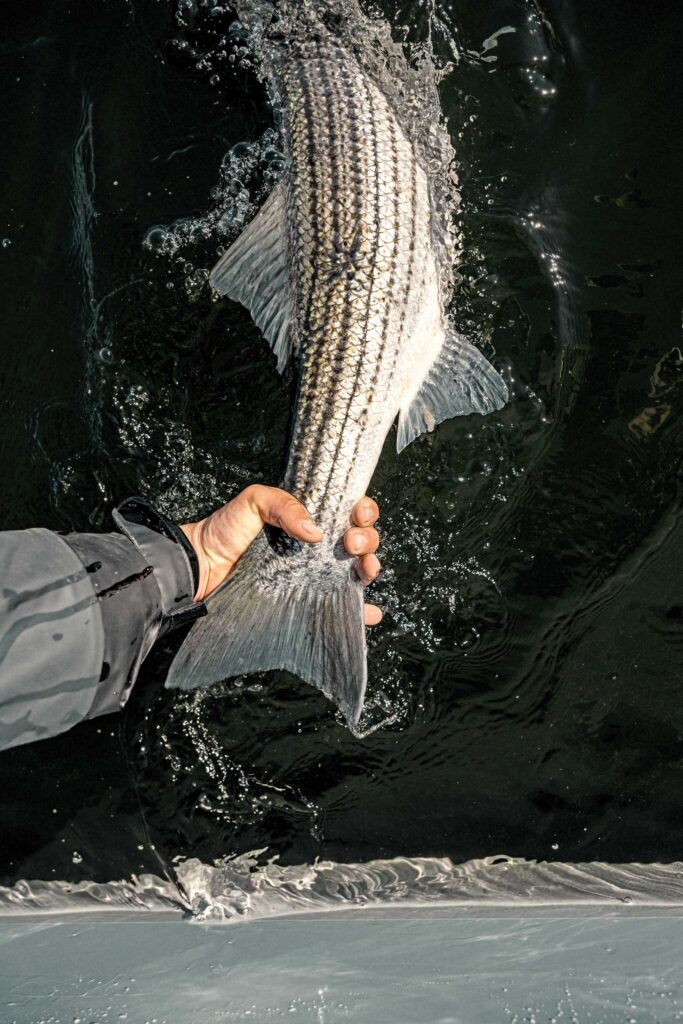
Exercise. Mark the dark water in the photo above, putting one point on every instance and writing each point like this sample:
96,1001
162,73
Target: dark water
531,655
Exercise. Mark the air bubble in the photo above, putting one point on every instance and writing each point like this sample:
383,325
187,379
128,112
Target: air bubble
156,239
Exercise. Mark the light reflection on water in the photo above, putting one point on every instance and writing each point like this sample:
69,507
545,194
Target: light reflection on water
528,660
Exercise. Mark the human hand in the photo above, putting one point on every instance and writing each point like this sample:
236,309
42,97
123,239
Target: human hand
221,539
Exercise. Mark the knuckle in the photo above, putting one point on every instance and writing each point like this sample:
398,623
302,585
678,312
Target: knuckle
366,511
252,494
369,568
290,507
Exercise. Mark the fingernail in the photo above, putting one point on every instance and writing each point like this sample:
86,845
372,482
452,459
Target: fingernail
311,530
366,510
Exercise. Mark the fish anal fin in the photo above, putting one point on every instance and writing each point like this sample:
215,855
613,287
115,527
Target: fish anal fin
255,272
460,381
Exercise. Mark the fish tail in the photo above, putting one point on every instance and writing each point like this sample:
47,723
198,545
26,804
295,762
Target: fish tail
313,628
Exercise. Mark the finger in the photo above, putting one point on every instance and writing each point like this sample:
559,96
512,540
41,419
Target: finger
368,569
359,541
373,615
365,512
279,508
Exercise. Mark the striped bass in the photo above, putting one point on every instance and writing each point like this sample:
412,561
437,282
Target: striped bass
340,271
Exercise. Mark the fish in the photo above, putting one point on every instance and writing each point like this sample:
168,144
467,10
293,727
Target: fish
342,270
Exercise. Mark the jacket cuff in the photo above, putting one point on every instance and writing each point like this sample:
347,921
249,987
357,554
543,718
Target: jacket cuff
164,546
144,584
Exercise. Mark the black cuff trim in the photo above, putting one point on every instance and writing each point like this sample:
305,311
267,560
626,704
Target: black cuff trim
140,511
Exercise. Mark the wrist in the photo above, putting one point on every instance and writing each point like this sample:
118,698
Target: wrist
193,533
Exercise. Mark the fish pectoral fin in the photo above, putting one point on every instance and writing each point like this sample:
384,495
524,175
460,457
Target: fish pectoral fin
460,381
255,272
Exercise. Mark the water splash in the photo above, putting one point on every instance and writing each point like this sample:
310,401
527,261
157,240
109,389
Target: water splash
456,607
248,172
247,888
406,72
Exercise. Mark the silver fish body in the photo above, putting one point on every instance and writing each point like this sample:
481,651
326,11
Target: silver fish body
359,220
340,270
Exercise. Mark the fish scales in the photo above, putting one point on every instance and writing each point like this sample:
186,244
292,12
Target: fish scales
343,140
342,270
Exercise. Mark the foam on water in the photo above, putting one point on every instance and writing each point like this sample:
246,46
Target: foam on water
246,888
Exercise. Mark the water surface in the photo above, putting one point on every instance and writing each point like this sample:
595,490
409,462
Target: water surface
529,665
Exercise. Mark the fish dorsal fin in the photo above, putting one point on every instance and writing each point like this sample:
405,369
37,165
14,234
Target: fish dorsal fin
460,381
255,272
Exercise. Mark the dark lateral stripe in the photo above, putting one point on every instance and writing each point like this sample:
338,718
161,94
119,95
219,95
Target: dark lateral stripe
310,394
348,360
380,362
369,297
329,367
333,127
353,192
411,263
313,192
320,123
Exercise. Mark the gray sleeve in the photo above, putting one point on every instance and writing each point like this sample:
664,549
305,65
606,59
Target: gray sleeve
78,615
51,637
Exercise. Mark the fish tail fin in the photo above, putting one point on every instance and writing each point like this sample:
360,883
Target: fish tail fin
309,628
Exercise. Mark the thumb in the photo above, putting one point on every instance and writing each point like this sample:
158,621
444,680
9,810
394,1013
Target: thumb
231,530
222,538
